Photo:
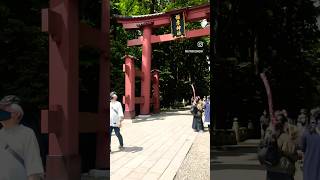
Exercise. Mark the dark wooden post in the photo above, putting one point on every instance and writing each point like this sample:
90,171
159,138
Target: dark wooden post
102,149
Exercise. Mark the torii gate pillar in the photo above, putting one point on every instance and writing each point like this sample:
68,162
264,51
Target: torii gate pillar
146,70
62,120
156,94
129,98
63,161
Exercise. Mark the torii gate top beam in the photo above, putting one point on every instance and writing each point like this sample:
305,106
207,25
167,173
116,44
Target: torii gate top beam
195,13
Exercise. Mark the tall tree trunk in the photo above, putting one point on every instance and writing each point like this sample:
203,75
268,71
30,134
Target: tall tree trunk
194,91
264,80
269,94
255,56
152,6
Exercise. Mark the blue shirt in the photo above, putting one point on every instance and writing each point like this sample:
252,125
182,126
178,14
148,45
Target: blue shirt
311,148
207,112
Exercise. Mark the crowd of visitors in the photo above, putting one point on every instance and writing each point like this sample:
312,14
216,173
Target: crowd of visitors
286,141
200,110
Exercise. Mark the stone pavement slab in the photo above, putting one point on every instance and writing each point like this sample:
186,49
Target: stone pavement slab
196,165
155,146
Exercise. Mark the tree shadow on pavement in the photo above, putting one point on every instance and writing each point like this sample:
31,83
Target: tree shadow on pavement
233,152
215,162
216,167
157,117
132,149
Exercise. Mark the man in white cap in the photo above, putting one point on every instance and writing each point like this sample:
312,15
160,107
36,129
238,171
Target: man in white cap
19,149
116,117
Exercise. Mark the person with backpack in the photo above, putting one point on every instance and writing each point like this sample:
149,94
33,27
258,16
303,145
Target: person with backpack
280,152
116,118
310,144
19,149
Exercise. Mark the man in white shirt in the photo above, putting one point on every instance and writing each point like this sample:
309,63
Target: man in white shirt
116,117
19,149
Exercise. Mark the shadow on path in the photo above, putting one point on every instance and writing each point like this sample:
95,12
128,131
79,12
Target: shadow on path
132,149
161,116
236,167
233,152
235,158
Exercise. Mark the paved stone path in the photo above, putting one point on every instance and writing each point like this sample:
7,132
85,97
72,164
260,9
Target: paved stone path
155,147
239,162
197,162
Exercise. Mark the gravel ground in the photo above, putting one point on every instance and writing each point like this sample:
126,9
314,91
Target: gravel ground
196,165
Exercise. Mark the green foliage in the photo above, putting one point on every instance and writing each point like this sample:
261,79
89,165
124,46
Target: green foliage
183,3
24,53
23,60
177,68
287,41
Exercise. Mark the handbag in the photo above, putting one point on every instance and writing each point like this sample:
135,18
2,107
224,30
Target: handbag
284,164
287,165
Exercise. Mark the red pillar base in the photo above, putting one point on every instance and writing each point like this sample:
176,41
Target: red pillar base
62,167
156,111
129,114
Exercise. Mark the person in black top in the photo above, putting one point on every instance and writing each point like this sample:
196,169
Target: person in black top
264,122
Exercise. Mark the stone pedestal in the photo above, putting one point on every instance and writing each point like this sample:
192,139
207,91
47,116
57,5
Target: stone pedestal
235,127
129,114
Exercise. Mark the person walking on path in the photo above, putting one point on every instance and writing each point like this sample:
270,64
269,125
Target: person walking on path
19,149
302,120
207,112
282,150
310,144
290,120
264,123
196,110
203,102
116,118
287,143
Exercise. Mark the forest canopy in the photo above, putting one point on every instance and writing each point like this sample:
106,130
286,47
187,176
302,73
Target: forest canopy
280,38
24,53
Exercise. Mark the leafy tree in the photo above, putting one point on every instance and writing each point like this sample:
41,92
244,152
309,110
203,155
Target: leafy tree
24,60
285,38
177,69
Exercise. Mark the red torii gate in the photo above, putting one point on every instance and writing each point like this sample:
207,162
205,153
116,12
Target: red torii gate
146,23
62,120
